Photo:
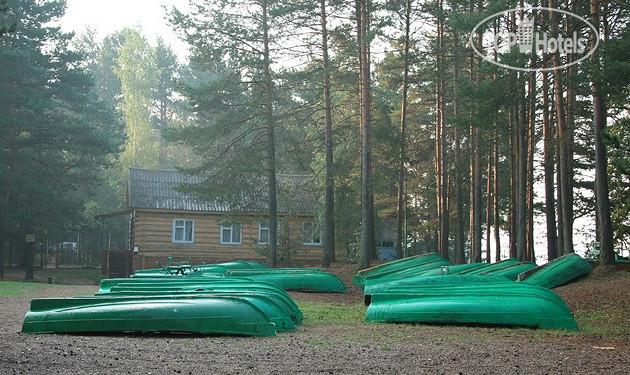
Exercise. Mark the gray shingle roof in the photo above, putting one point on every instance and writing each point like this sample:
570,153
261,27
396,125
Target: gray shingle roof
159,189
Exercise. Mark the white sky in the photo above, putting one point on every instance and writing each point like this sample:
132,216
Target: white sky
108,16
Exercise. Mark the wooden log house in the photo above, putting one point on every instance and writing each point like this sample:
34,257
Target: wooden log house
167,222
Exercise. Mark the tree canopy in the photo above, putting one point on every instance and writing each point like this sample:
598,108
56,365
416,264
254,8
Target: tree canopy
56,133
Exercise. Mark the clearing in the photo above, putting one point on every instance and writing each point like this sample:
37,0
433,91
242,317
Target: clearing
333,340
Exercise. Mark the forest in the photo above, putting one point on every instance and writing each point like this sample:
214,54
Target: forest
398,108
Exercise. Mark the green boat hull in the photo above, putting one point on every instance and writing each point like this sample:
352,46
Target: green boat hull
449,301
196,314
466,269
511,271
187,269
421,282
484,267
410,271
557,272
385,269
451,269
107,284
210,272
278,311
305,279
179,271
300,280
279,297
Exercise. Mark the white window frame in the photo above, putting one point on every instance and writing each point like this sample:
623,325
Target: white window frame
182,226
263,227
231,229
310,240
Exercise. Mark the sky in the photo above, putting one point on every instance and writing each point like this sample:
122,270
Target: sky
108,16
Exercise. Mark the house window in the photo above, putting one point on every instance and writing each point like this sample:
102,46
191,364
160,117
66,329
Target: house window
183,231
231,234
263,233
310,234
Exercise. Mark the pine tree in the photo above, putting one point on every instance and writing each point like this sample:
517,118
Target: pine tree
233,96
55,133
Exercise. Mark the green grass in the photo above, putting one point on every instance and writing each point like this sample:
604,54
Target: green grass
67,276
326,313
606,321
20,288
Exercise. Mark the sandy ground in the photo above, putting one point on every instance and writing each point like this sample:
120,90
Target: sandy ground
358,348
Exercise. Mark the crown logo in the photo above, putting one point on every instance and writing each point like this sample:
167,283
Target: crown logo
525,34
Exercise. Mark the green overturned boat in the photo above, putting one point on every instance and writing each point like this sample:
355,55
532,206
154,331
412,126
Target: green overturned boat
458,269
421,282
107,284
510,271
485,267
304,279
509,268
221,315
266,290
470,300
397,269
185,268
299,279
557,272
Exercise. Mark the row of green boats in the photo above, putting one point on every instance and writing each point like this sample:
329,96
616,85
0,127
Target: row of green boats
430,289
247,298
235,298
298,279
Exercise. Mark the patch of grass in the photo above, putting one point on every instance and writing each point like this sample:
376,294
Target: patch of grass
70,276
320,342
327,313
606,321
20,288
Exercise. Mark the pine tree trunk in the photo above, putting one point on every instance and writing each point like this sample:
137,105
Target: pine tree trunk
438,133
565,206
559,215
495,157
440,142
444,177
607,254
328,255
367,218
478,195
471,199
497,236
521,204
531,141
4,200
513,181
489,209
460,256
475,168
400,217
29,255
570,110
2,242
548,165
271,142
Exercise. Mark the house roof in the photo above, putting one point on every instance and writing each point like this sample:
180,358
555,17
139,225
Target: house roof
160,189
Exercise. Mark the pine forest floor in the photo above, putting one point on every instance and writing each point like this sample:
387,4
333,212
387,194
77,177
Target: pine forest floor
333,340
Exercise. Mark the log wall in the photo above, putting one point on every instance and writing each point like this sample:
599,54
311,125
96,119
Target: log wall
152,233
